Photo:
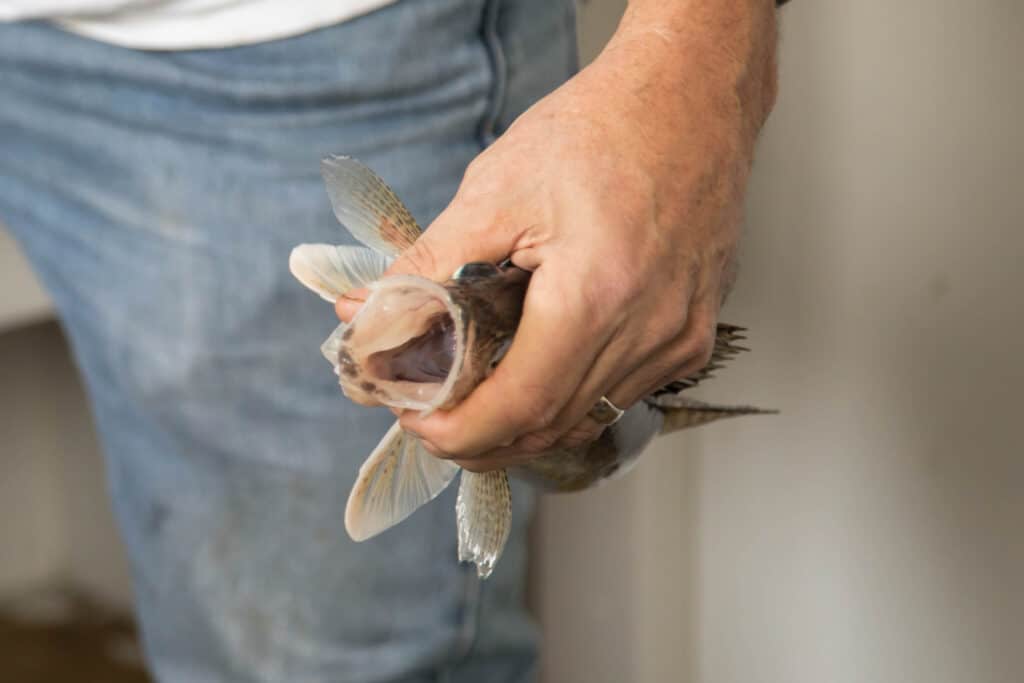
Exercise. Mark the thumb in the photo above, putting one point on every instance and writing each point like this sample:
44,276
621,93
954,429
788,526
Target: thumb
458,236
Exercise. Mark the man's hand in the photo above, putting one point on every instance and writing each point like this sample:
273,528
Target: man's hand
622,192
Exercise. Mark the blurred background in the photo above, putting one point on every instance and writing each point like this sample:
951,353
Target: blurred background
871,532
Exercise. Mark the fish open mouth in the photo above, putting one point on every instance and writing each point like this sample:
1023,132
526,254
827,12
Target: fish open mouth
404,348
425,358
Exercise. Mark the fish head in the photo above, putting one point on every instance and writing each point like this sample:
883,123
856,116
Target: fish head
421,345
491,300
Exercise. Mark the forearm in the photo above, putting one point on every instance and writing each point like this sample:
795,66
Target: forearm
699,59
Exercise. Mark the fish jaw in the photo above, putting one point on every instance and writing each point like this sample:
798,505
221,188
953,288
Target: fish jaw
406,346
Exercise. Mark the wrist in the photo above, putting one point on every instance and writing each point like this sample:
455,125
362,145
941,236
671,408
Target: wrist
713,58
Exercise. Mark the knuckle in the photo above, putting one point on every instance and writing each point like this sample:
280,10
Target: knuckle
634,286
696,350
675,323
623,286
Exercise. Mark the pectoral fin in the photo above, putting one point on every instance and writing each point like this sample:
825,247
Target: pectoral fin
484,514
397,478
365,205
332,270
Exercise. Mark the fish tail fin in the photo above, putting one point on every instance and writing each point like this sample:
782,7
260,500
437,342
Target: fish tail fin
682,413
484,514
397,478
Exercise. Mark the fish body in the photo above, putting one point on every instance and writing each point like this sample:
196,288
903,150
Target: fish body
421,345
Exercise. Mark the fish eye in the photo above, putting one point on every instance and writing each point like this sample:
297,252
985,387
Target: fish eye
476,269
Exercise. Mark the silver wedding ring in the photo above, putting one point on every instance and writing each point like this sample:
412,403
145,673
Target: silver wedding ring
606,412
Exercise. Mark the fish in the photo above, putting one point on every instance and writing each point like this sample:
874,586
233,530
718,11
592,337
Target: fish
417,344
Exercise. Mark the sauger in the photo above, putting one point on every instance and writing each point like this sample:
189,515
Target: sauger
421,345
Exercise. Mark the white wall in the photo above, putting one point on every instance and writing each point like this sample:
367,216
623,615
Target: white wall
870,532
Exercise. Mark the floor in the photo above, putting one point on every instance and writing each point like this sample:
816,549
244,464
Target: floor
57,636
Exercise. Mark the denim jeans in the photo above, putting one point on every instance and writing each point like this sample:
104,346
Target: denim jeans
158,195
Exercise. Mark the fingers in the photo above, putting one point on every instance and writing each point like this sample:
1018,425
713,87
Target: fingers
541,393
349,304
553,351
682,359
613,362
682,356
458,236
656,343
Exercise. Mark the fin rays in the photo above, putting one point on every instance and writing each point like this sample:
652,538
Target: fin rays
397,478
365,205
725,349
682,413
484,515
332,270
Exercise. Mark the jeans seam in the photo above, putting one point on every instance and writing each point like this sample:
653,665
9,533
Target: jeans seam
487,132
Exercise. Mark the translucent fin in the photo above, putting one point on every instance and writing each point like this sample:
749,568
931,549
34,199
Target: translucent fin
484,515
683,413
331,270
332,345
368,207
397,478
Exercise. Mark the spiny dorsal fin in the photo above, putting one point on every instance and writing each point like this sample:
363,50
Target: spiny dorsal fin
332,270
484,515
397,478
725,350
365,205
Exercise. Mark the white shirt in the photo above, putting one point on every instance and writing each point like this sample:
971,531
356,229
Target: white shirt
188,24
